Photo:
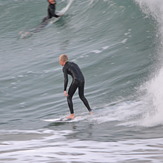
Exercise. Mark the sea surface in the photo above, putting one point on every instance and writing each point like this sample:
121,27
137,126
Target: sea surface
118,44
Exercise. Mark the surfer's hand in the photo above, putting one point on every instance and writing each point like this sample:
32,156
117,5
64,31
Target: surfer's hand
65,93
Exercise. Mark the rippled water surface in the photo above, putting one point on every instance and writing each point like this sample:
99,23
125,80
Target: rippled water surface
118,46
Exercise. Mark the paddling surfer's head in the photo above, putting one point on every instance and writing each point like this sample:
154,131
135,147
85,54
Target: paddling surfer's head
51,1
63,59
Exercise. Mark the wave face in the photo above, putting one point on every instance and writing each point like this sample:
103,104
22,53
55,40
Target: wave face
154,93
118,45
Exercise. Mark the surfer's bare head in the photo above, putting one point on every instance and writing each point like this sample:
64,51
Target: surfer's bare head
51,1
63,59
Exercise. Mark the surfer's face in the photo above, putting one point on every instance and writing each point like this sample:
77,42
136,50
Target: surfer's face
51,1
62,63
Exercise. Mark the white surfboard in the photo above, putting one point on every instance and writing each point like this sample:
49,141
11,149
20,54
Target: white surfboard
58,120
64,119
64,10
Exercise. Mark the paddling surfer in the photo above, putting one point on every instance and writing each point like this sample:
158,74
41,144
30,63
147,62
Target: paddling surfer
51,10
78,81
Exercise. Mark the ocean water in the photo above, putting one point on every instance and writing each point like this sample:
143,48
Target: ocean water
118,45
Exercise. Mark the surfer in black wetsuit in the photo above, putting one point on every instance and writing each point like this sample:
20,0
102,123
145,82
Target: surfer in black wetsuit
70,68
51,10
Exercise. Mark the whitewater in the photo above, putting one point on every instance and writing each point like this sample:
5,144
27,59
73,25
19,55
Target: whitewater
118,45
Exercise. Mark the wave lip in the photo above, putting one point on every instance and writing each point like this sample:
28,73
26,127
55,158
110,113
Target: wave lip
153,98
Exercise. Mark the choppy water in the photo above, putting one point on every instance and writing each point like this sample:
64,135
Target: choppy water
118,45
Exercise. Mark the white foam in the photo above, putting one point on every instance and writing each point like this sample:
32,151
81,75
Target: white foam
154,98
155,8
50,148
96,51
122,112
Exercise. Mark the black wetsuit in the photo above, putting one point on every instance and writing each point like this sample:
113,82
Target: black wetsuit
78,81
51,12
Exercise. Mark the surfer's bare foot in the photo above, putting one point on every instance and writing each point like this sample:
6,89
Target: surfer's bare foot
90,113
71,116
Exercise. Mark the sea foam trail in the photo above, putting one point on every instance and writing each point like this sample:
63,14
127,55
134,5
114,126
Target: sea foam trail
53,146
154,90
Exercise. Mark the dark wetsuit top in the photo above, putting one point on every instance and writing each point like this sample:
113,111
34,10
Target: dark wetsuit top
72,69
51,11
